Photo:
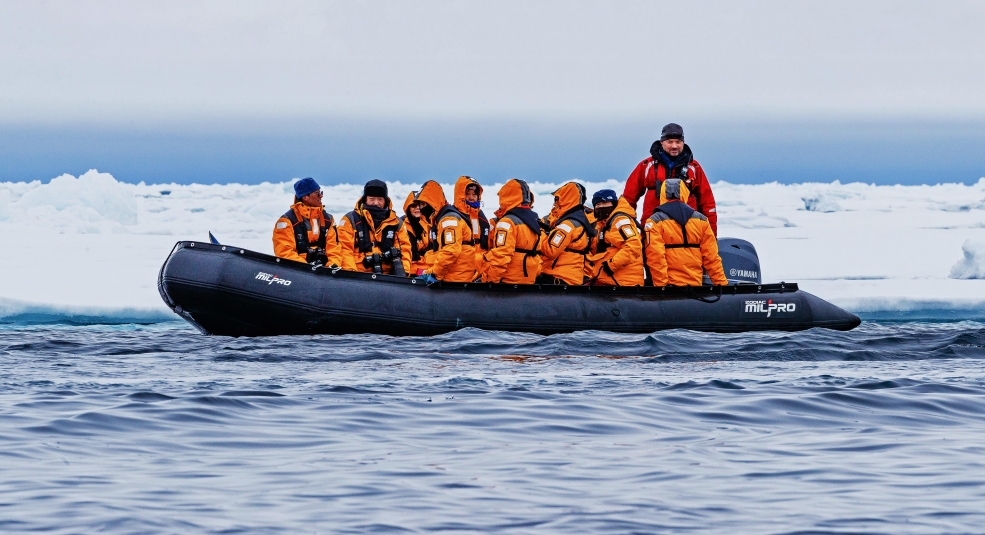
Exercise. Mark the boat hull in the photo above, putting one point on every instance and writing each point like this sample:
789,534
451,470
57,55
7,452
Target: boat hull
234,292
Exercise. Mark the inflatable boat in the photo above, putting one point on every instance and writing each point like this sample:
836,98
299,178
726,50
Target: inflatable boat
230,291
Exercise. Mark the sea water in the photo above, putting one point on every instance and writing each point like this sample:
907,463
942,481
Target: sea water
159,429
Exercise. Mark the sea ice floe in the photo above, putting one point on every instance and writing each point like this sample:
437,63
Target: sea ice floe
93,241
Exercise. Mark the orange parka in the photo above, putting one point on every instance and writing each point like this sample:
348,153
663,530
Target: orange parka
680,243
617,250
452,256
514,257
480,224
360,239
302,230
570,238
415,232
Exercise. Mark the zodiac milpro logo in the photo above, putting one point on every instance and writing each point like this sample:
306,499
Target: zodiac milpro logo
769,307
271,279
742,273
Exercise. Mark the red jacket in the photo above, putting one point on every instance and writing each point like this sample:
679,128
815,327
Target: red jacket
644,181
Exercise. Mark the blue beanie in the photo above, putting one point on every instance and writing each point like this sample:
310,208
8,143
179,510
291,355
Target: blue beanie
305,186
604,195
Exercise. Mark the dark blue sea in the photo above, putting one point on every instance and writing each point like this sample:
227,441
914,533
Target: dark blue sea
158,429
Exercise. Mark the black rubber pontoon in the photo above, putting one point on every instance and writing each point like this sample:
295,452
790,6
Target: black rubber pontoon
234,292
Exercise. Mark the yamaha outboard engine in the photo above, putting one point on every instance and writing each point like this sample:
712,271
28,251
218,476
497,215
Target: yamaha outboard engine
740,261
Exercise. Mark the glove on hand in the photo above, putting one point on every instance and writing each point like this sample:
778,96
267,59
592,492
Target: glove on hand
427,278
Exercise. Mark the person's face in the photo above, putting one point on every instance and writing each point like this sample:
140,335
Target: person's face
672,147
312,199
376,202
415,210
603,210
557,203
471,194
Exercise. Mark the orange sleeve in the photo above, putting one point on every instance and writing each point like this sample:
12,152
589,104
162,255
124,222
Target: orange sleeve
347,242
710,258
403,242
656,254
626,238
284,245
501,254
449,235
558,240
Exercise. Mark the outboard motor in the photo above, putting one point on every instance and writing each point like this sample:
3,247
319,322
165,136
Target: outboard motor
740,261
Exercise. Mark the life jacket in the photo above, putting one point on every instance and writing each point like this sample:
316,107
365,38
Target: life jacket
449,209
526,216
663,214
679,170
603,245
364,237
580,219
483,238
301,229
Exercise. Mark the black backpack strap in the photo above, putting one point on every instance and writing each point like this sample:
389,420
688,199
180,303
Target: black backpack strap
483,231
364,242
300,230
323,231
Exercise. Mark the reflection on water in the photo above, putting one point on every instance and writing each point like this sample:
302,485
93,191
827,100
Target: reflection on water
161,430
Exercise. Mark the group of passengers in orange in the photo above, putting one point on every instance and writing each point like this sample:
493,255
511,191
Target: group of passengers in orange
674,243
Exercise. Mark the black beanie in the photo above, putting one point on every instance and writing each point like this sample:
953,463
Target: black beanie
672,131
375,188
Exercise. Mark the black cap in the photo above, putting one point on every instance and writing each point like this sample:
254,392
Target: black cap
375,188
672,131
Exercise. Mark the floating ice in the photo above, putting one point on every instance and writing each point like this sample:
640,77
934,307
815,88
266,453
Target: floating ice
92,203
820,203
972,266
90,247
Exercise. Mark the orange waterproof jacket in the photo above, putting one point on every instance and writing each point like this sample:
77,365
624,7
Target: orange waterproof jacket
480,224
617,250
680,244
360,239
570,238
452,245
415,232
514,256
302,230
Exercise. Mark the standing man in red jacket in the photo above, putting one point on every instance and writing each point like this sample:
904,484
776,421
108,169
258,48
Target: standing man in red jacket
671,158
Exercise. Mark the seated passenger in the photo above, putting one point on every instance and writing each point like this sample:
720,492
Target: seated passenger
468,200
569,237
452,244
306,233
680,243
370,237
617,250
415,229
514,257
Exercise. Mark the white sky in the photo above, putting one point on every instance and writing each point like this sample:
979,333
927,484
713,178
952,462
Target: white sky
177,60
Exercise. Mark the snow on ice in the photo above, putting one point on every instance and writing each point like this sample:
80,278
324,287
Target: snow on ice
972,266
91,246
